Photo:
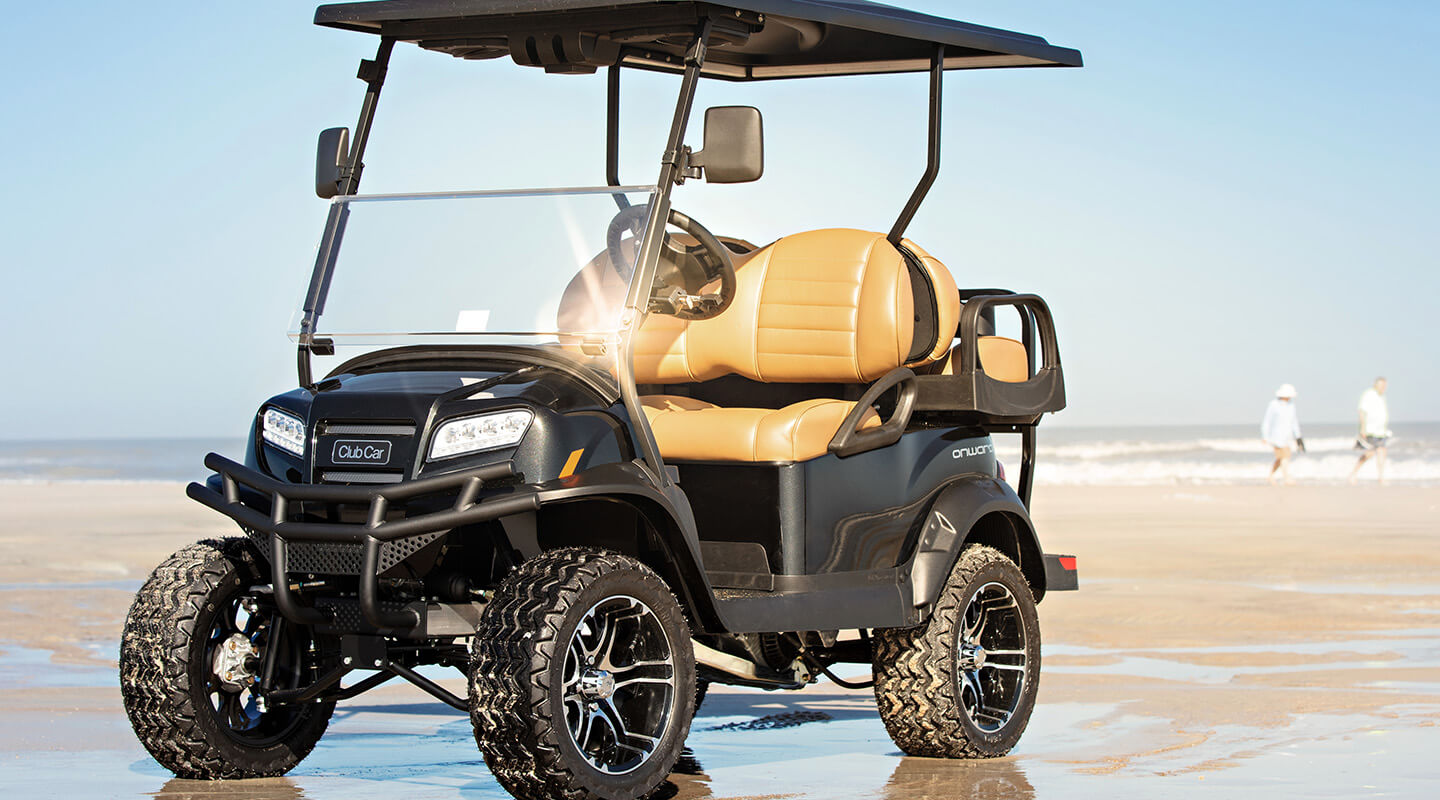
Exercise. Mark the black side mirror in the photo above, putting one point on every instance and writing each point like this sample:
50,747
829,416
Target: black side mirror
734,145
331,154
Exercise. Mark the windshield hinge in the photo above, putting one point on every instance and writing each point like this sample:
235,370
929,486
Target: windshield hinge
593,346
684,162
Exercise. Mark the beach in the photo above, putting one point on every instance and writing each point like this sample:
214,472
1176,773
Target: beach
1225,638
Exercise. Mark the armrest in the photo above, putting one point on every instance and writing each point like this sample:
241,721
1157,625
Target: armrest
849,440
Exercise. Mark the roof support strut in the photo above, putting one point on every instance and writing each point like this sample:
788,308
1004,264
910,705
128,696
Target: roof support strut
612,133
647,259
932,164
373,73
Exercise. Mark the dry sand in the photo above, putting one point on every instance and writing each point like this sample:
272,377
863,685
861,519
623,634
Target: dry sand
1230,639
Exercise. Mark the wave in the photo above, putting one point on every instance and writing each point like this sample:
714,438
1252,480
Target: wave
1096,450
1332,469
7,462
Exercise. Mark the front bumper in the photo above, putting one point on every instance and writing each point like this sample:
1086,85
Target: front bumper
382,542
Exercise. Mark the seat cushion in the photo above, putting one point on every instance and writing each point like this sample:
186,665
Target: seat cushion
687,429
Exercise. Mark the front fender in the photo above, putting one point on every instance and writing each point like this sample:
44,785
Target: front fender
667,512
974,510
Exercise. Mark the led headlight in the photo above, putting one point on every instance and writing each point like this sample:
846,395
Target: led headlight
474,434
283,430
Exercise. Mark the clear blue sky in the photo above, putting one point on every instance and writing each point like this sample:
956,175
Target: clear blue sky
1230,195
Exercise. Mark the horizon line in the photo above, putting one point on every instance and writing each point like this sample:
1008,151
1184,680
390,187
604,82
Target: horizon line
1053,425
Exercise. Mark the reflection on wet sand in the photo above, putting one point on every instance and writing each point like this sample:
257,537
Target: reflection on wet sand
687,780
912,779
258,789
944,779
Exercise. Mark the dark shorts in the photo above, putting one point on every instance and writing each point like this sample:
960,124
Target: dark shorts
1370,442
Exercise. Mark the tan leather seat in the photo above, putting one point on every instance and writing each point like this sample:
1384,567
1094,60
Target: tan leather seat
1001,358
693,430
827,306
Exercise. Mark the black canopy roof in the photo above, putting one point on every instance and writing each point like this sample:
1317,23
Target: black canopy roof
750,40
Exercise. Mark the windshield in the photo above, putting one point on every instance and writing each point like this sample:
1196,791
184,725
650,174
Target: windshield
513,267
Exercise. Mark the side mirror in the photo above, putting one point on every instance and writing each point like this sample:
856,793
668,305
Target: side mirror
734,145
331,154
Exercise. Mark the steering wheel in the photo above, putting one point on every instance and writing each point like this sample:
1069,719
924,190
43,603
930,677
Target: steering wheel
684,270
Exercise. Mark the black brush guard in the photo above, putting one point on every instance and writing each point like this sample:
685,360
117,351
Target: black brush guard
285,528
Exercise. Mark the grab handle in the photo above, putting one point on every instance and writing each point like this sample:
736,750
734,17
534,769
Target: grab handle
850,440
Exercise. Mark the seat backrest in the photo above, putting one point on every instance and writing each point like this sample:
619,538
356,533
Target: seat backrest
826,306
1001,358
817,307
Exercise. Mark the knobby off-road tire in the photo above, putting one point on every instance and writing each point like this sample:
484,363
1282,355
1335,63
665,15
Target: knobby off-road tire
702,687
934,698
530,683
191,724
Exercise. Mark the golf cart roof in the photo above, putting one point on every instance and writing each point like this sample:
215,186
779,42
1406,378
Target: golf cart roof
750,39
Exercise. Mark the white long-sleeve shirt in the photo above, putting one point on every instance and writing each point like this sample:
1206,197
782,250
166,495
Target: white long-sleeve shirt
1281,426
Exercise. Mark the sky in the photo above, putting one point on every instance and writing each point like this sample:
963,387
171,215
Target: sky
1230,195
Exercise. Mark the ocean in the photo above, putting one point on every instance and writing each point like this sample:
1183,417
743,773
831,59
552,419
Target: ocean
1139,456
1217,455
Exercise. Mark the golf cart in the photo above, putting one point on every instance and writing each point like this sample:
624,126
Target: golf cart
597,464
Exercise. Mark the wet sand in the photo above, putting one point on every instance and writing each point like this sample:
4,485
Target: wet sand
1225,640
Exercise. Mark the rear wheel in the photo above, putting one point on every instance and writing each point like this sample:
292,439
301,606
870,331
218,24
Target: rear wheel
582,678
194,645
963,684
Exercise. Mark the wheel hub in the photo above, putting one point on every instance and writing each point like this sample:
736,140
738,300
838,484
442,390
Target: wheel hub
234,662
597,684
972,656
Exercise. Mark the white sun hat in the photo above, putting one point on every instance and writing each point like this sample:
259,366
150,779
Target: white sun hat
1286,391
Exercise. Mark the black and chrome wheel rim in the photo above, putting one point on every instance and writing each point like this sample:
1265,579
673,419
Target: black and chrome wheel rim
619,685
991,657
241,632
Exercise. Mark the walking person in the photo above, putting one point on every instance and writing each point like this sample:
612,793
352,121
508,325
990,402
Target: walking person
1374,429
1281,430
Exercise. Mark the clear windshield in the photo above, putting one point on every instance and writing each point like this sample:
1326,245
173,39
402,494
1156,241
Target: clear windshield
512,267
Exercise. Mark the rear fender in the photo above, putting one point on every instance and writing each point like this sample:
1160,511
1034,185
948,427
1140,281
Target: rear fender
974,510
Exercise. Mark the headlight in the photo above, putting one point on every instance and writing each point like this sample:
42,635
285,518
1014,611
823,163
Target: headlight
474,434
283,430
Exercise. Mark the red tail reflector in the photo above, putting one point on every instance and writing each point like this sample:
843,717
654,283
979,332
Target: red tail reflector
1067,563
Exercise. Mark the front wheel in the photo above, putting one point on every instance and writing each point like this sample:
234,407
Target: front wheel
963,684
195,644
582,678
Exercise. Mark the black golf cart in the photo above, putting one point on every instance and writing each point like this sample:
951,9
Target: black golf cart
599,464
